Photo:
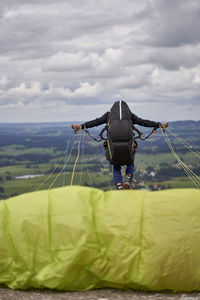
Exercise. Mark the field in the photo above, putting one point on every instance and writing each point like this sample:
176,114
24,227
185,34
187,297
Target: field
102,178
54,156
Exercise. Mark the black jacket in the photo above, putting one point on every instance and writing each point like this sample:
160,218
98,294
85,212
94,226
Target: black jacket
135,120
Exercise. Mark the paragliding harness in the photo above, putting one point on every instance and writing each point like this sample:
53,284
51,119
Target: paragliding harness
120,143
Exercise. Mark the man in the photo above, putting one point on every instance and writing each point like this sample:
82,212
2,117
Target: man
120,142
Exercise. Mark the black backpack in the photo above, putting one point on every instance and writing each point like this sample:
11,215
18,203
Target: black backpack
120,135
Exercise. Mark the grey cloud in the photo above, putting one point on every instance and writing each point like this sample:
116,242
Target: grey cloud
175,23
87,51
173,58
37,28
137,77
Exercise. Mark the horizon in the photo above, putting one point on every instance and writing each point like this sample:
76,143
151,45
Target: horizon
81,122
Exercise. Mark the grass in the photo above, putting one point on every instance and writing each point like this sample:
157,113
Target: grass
181,182
19,186
144,160
45,182
102,179
14,150
18,170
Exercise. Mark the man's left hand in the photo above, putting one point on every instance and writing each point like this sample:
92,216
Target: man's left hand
76,127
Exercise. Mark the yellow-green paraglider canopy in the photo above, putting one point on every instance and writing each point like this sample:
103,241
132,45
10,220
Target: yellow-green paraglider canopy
78,238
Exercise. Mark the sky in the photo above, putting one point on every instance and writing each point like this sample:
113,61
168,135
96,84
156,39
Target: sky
71,60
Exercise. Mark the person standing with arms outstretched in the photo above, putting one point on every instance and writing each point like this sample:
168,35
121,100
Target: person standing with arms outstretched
120,139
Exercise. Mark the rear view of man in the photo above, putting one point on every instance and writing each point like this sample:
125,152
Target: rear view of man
120,139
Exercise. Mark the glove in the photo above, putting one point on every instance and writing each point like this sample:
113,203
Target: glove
164,125
76,127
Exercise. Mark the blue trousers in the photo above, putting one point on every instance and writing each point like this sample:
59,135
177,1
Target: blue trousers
117,175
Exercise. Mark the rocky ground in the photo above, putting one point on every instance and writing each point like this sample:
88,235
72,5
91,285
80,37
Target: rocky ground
102,294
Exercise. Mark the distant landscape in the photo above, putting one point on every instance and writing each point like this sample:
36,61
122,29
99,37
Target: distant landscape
36,156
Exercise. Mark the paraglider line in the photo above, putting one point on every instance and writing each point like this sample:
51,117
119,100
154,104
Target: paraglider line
64,165
81,171
53,169
187,145
189,172
77,158
86,165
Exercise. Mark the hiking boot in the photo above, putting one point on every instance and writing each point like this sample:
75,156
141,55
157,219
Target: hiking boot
119,186
127,182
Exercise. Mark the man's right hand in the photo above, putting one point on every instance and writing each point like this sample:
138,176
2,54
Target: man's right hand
76,127
164,125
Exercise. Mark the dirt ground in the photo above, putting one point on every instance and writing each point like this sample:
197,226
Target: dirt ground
101,294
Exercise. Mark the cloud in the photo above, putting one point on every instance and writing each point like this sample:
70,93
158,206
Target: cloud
172,58
99,65
24,92
3,81
86,52
175,23
86,90
63,61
